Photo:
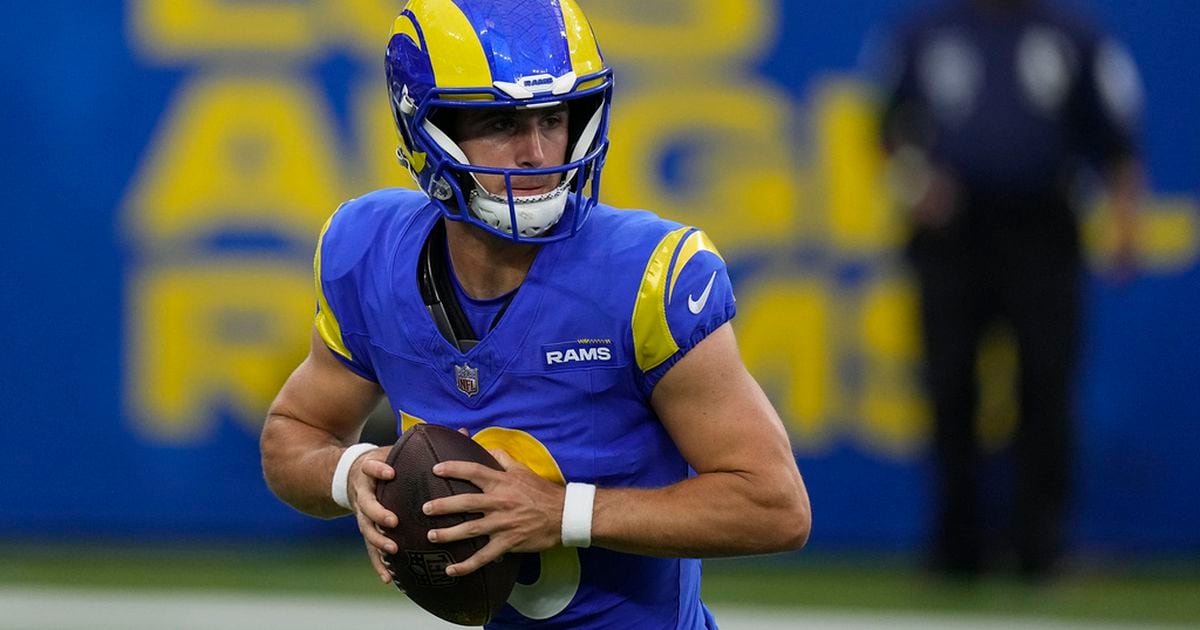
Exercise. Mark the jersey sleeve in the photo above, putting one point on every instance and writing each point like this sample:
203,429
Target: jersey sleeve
685,294
339,319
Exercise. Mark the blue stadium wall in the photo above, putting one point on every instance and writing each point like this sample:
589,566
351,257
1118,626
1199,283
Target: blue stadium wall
167,166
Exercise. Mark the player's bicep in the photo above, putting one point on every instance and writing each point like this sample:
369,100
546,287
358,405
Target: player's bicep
325,394
728,432
719,417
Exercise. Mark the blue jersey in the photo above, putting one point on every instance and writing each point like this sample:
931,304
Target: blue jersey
562,382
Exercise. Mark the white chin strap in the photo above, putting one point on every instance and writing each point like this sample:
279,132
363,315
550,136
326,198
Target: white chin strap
536,214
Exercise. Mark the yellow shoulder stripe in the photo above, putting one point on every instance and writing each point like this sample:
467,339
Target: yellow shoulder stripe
697,242
652,339
326,322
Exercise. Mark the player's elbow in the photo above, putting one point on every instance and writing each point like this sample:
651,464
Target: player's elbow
799,522
792,522
280,462
274,453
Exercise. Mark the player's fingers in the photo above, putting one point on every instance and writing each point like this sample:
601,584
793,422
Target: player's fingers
506,461
377,563
370,533
459,503
374,510
377,469
489,553
463,430
477,474
464,531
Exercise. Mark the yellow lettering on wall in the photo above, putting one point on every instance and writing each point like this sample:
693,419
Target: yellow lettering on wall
738,171
785,329
894,414
1167,235
190,29
686,35
238,152
223,30
227,333
363,26
859,209
678,33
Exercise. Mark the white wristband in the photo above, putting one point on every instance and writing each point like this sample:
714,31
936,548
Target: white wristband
577,515
340,489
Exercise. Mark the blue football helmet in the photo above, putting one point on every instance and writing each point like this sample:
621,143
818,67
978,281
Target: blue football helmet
508,54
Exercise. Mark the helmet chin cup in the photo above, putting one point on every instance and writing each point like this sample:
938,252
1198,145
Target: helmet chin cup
534,215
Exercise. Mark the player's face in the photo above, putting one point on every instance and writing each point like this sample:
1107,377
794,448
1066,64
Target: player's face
513,138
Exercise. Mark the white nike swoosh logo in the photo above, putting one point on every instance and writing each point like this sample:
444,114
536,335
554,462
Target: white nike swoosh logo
695,306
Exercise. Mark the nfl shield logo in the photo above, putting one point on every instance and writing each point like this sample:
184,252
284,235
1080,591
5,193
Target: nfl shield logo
428,568
467,378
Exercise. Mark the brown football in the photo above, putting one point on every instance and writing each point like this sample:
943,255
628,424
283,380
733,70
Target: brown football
419,567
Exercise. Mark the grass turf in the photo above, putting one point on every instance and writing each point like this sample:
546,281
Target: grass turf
1161,593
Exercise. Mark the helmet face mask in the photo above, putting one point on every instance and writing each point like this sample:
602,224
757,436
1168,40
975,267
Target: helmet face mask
535,70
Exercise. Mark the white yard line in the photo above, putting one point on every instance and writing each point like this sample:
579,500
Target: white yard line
80,609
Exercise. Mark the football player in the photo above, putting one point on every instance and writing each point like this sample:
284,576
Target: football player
588,347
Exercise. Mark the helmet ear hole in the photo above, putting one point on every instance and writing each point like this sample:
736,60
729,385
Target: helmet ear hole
446,119
581,112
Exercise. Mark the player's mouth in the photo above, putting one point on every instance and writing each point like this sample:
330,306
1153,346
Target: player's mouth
533,188
531,192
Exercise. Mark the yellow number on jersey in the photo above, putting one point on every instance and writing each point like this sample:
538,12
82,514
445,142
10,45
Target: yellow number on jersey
559,578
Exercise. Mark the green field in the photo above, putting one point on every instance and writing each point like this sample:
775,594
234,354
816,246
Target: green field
1159,593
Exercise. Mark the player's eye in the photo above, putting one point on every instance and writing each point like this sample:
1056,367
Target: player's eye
502,124
554,119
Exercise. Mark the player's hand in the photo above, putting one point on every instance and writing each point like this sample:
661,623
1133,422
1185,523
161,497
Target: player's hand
366,471
522,512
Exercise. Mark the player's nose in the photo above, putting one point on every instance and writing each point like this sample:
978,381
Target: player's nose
531,150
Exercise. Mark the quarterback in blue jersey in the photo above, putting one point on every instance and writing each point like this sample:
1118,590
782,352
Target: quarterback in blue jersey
589,348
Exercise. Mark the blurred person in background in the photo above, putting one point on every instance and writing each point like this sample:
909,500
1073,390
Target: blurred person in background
996,110
589,343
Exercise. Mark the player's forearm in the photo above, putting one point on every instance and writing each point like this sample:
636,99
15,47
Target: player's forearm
319,411
710,515
298,462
